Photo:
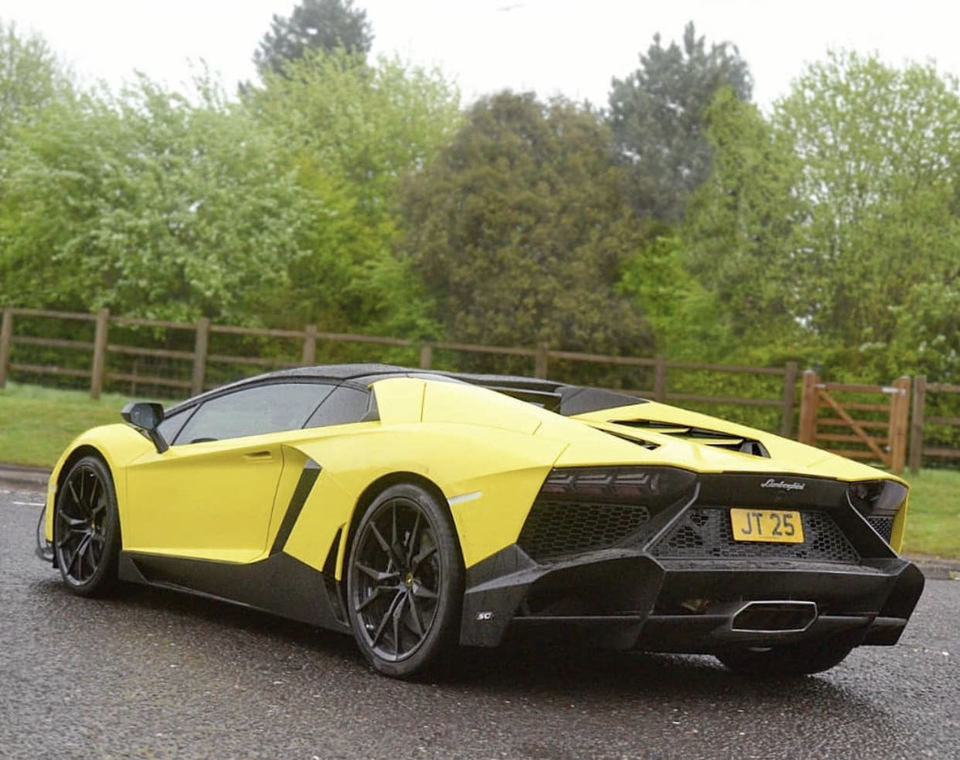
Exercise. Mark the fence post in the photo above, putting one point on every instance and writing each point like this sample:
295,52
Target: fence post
789,394
808,408
659,379
426,356
99,353
6,339
898,425
308,356
200,355
916,430
540,361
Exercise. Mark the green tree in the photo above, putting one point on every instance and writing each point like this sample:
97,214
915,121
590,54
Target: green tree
739,231
155,207
31,78
879,148
927,336
657,117
823,223
685,317
365,123
314,25
520,231
357,129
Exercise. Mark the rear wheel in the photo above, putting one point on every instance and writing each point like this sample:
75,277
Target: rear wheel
405,583
86,529
787,661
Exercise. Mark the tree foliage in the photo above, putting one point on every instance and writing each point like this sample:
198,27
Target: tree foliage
148,205
657,117
314,26
823,222
520,231
357,129
275,210
739,231
879,148
366,124
31,78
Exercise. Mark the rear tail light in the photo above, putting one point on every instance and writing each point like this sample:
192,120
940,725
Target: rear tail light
877,498
878,501
582,509
653,487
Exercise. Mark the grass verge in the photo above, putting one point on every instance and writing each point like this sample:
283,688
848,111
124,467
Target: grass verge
36,424
933,519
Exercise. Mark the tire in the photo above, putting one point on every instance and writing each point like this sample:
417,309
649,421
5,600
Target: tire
86,529
405,583
787,661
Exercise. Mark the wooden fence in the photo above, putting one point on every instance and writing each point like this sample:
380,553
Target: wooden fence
921,421
840,417
98,376
877,433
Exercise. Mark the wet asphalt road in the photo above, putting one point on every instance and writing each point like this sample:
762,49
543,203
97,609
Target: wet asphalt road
159,675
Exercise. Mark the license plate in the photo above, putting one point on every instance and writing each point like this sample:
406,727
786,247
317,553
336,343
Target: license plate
770,525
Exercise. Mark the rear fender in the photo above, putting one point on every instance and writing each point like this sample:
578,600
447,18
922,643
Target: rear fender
488,477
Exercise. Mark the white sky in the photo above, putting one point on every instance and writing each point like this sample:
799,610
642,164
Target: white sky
551,46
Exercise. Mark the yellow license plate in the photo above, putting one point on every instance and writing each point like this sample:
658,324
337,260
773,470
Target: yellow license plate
770,525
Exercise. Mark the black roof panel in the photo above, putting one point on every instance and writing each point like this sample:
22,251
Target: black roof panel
560,397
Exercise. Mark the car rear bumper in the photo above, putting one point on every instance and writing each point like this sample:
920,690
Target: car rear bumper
625,598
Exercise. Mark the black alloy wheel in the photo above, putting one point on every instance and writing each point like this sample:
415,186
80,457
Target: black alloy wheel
86,530
405,582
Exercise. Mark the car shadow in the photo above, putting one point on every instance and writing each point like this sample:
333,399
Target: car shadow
143,605
513,671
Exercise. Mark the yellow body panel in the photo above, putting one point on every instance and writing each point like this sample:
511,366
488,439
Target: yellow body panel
203,499
118,444
400,400
469,405
436,452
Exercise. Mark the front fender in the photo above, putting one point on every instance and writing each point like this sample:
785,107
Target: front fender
117,444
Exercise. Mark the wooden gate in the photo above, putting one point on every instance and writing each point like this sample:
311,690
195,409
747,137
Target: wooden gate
848,419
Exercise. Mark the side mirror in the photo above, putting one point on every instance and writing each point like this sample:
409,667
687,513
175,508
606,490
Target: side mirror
145,417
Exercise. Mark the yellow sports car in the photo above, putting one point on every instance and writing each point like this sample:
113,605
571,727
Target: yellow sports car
423,511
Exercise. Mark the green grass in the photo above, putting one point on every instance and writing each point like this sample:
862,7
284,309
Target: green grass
933,520
37,423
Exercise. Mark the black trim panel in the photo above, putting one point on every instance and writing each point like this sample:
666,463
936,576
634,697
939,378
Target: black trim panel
311,470
624,598
281,584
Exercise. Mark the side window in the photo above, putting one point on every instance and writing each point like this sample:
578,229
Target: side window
344,405
171,425
254,411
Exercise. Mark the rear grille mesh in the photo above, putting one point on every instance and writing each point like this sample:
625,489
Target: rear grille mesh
706,533
883,526
557,528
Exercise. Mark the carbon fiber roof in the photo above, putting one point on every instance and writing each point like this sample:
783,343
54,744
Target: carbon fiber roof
568,399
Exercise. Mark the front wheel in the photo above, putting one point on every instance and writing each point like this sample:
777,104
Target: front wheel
405,583
786,661
86,529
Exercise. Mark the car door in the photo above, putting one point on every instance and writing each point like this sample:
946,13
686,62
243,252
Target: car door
211,494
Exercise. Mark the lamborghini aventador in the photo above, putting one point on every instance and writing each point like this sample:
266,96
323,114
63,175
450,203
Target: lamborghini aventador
424,511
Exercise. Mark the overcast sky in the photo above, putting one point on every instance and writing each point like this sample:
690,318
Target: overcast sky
551,46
